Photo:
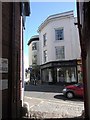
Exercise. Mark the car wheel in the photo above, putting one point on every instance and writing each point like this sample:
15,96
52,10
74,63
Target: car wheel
69,95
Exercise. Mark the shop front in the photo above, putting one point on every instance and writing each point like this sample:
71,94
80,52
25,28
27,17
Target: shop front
79,71
60,72
67,74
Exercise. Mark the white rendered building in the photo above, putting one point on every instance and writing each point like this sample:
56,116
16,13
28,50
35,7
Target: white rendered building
59,48
34,58
33,46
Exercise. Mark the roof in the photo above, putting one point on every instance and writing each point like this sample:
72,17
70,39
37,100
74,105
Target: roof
33,38
52,17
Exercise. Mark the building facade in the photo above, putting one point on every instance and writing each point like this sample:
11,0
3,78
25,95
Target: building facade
59,48
11,58
34,57
33,46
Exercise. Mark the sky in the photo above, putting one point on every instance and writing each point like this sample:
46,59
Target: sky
39,12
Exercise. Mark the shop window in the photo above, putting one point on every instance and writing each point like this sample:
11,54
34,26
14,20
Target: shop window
67,74
80,75
70,75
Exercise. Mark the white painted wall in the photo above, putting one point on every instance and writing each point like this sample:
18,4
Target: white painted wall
71,39
34,52
30,54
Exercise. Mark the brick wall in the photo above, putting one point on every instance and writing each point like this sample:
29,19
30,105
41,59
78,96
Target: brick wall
11,50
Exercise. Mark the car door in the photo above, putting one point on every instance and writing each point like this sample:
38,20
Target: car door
79,90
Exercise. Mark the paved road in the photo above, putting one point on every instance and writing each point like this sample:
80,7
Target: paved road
48,101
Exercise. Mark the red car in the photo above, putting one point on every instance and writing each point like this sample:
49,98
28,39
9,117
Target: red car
73,90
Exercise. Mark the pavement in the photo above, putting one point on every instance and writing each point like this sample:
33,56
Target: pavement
44,88
47,101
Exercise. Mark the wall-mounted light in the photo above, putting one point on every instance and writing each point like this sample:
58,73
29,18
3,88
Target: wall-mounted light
79,25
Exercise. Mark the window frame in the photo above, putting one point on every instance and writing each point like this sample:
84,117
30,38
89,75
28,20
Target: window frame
58,36
34,59
34,46
45,56
60,52
44,39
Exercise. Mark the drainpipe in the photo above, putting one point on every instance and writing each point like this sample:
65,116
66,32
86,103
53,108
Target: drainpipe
83,55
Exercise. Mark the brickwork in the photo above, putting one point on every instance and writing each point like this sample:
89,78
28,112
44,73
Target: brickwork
6,38
11,50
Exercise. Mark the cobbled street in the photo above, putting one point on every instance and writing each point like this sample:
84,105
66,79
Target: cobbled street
47,101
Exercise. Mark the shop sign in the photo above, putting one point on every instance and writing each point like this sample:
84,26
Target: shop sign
65,64
3,65
60,64
79,62
3,84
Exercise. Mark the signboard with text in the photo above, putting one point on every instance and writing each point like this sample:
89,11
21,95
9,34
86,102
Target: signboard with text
3,65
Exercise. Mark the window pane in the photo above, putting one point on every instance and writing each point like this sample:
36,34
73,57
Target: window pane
34,59
67,73
60,52
59,34
34,46
44,39
45,56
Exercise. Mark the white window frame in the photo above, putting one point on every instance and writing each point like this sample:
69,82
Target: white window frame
60,52
34,59
44,40
45,56
34,46
59,37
